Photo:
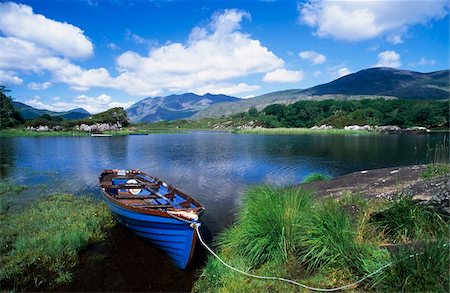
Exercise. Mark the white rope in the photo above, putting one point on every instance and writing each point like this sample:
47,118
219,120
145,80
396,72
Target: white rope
196,225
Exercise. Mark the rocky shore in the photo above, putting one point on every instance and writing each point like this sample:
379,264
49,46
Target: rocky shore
389,184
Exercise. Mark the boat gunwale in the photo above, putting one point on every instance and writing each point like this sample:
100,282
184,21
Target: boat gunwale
148,211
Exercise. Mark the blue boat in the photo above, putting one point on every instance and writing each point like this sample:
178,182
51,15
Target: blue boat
154,210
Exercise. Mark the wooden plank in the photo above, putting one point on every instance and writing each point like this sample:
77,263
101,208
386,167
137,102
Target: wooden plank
156,206
137,197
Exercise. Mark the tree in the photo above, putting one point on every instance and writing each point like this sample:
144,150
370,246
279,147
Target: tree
252,112
9,117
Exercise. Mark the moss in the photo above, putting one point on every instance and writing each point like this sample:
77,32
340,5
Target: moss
316,177
435,170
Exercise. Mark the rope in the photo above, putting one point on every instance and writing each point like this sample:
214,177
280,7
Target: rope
196,225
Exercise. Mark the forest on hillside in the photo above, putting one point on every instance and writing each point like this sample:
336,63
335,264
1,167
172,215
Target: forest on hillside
339,113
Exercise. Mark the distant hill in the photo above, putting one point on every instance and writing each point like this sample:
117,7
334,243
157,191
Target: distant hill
29,112
173,107
370,83
385,81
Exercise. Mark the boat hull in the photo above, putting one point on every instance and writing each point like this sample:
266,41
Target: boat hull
175,237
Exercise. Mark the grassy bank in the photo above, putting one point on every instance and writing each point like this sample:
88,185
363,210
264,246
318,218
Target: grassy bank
12,132
141,129
297,131
329,243
39,246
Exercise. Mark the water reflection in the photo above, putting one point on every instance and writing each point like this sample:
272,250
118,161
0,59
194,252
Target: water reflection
214,168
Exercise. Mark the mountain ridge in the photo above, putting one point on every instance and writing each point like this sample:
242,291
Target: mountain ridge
172,107
28,112
371,83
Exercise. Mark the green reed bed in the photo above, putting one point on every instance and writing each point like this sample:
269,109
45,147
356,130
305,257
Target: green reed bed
40,245
295,131
321,243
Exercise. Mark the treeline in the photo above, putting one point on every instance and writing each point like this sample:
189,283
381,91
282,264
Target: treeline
10,117
111,116
403,113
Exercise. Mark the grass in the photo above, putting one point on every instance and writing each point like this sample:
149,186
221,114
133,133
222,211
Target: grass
435,170
264,233
298,131
13,132
321,243
316,177
405,221
426,271
39,245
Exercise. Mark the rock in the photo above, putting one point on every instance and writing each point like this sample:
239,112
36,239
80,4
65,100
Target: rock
417,129
421,197
388,128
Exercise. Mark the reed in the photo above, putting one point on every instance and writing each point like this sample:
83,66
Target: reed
316,177
299,131
41,243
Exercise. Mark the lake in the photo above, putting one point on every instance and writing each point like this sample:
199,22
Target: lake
213,167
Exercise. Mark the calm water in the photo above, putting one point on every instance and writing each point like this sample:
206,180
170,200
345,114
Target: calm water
215,168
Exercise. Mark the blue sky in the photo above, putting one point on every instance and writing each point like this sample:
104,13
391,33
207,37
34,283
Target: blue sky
93,54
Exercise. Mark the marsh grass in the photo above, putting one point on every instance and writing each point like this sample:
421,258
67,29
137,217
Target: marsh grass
405,221
298,131
39,245
316,177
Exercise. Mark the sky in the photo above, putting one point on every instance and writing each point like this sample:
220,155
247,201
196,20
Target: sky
99,54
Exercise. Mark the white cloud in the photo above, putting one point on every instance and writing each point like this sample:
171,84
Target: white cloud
342,72
213,54
91,104
283,75
9,78
422,62
314,57
388,59
39,86
19,21
225,88
361,20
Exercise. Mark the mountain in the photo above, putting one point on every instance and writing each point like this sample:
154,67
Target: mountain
369,83
173,107
385,81
29,112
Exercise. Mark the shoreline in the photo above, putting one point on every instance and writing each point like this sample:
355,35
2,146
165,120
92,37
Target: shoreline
14,132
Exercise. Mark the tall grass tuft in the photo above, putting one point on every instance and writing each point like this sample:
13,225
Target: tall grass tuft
329,238
270,225
421,269
405,221
316,177
40,244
